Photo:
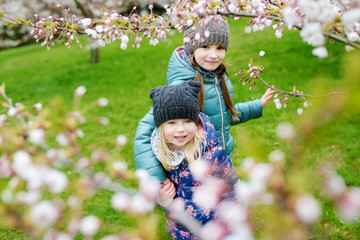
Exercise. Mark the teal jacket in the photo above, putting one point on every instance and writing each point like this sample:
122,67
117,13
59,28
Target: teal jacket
179,70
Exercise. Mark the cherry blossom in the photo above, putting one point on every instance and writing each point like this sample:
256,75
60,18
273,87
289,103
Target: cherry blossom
308,209
44,214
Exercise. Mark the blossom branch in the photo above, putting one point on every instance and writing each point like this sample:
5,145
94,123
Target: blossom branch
281,20
296,93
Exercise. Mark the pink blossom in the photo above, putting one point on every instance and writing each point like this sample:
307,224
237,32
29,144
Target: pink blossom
207,195
37,106
285,131
349,205
121,140
213,230
5,169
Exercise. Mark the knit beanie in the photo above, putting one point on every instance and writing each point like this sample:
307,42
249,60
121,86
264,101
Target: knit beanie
176,102
212,30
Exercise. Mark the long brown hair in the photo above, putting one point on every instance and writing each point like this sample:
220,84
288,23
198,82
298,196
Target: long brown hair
221,70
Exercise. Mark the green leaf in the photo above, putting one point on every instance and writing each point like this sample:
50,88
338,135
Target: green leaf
21,20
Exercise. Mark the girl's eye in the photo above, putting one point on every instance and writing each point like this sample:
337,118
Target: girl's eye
171,122
188,121
205,47
221,48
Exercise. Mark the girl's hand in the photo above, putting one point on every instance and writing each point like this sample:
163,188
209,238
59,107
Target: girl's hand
166,193
267,96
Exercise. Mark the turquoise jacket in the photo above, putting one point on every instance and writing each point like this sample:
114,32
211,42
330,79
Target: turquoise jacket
179,70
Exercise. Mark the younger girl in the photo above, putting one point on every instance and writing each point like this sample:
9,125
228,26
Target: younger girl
183,136
201,59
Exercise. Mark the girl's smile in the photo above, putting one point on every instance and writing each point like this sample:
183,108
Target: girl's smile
178,132
210,57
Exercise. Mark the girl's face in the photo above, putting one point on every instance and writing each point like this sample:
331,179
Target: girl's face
210,57
178,132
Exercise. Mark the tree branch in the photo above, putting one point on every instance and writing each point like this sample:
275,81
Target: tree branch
279,19
294,94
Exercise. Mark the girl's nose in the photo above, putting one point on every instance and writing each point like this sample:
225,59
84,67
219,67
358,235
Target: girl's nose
212,53
180,127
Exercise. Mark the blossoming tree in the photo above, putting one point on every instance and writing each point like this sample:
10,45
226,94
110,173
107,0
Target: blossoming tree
37,150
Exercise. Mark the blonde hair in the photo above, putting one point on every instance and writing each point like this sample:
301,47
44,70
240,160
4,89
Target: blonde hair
221,70
192,148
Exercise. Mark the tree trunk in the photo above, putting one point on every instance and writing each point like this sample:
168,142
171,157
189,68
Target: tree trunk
94,55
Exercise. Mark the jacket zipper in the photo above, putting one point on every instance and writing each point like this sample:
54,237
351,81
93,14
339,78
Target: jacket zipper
222,113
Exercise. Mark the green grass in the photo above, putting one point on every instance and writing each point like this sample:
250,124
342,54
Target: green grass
33,74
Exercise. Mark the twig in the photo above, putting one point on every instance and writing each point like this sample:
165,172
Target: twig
294,94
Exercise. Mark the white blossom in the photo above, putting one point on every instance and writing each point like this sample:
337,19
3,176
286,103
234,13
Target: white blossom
36,136
350,17
12,111
123,46
312,33
86,22
308,209
89,225
62,139
140,204
277,156
120,201
125,39
291,18
102,102
56,181
320,52
262,53
199,169
80,91
44,214
154,41
22,161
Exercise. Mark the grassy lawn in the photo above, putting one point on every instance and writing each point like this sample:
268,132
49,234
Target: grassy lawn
32,74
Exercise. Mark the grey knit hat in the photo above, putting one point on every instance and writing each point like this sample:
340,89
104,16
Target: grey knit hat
212,30
176,102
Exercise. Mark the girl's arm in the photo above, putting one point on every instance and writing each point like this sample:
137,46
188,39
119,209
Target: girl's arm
248,110
252,109
144,156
